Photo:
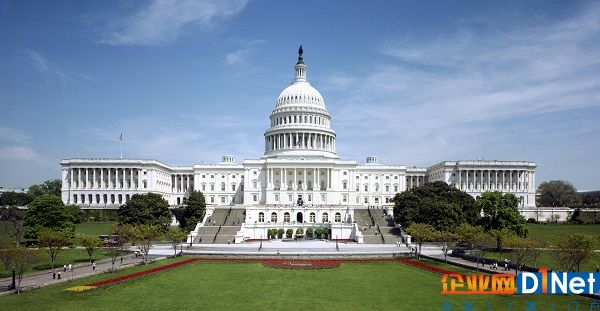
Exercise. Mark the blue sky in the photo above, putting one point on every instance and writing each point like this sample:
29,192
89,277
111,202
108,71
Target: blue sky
413,82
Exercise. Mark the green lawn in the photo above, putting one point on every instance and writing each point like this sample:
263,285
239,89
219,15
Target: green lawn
250,286
552,231
65,256
93,229
547,260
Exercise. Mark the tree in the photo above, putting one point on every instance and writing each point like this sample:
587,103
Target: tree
77,215
448,241
192,213
48,212
12,217
537,247
146,236
438,204
288,233
22,260
501,236
12,198
520,251
557,193
421,233
280,233
481,242
467,234
51,187
309,232
6,254
91,245
176,236
573,249
53,241
146,209
500,212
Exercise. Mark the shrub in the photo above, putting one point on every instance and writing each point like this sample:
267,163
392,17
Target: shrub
280,233
531,220
318,232
288,233
299,231
309,232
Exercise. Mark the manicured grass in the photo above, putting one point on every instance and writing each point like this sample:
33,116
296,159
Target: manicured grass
549,232
547,260
251,286
65,256
94,229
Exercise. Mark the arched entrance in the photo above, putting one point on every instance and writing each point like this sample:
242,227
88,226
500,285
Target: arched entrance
299,218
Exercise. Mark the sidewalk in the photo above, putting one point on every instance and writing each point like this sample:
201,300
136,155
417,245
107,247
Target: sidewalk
44,278
436,252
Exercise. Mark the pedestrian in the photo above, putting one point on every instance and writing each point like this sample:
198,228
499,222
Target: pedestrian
59,275
505,266
93,266
53,275
64,268
121,260
70,267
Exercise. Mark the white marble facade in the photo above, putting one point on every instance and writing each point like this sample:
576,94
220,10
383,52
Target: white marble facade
299,162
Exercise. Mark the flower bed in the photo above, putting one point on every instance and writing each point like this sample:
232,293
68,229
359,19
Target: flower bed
425,266
301,264
79,288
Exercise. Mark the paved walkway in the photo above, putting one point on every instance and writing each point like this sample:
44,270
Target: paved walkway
436,252
44,278
287,248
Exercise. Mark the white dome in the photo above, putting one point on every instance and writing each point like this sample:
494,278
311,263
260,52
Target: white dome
300,93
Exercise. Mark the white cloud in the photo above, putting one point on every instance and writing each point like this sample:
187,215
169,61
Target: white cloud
163,21
18,153
43,65
240,55
433,98
13,135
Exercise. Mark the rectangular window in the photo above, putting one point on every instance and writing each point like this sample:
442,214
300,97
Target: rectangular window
387,188
376,200
277,198
357,200
254,197
203,187
310,197
396,188
290,197
366,200
323,198
212,187
345,185
345,198
212,199
222,199
366,188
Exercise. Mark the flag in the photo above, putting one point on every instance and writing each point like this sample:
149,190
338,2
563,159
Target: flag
121,137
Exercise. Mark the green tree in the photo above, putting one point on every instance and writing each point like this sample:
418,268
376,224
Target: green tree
12,198
12,219
280,233
22,260
176,236
480,243
6,254
288,233
438,204
48,212
146,209
573,249
448,241
77,215
467,234
51,187
192,213
309,232
520,251
54,241
422,233
145,236
500,212
91,245
557,193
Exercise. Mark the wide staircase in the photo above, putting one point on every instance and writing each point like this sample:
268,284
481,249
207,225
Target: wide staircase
387,226
221,226
367,226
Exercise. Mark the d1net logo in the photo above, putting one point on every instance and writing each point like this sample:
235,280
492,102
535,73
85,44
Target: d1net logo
543,282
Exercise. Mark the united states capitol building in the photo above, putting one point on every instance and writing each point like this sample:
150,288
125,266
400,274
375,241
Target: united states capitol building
299,181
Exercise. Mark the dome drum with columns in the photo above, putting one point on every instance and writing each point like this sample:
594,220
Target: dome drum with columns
299,182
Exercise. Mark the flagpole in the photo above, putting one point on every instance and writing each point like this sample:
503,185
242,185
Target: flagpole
121,148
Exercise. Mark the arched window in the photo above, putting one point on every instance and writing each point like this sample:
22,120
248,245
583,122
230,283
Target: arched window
75,198
120,198
338,217
376,187
127,198
90,199
112,199
222,186
233,187
286,217
261,217
311,217
273,217
82,198
178,201
105,197
299,184
97,199
325,218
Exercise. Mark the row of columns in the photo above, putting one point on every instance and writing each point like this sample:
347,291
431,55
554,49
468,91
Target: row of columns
97,198
300,140
181,183
105,178
508,180
284,182
414,181
302,119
